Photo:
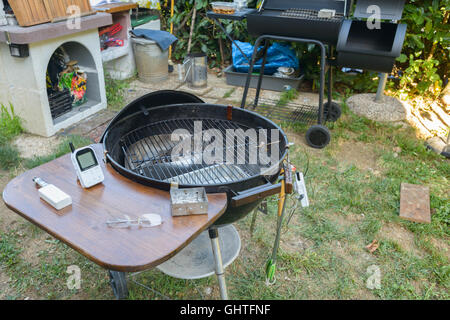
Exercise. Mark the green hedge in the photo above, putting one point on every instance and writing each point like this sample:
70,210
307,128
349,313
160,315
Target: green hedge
422,68
425,59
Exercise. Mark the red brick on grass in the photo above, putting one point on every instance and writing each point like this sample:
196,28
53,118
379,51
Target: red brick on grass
415,203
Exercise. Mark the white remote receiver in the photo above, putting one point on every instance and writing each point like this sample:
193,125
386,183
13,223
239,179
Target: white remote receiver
300,188
87,167
53,195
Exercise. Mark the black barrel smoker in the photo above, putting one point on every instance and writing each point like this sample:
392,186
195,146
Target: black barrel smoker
370,39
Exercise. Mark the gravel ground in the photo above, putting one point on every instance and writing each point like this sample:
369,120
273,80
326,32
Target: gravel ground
388,109
30,146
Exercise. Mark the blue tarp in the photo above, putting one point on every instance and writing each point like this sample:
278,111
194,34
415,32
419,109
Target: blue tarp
278,55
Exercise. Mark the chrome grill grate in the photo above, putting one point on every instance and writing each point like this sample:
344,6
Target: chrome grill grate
220,174
148,152
307,14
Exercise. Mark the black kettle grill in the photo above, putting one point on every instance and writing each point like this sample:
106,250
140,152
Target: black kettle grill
138,145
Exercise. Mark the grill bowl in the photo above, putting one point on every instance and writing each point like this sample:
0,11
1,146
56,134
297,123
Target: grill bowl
137,146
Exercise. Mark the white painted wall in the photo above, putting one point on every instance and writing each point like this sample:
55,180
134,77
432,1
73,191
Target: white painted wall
22,83
3,21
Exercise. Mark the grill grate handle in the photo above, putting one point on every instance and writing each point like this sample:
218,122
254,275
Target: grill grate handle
254,194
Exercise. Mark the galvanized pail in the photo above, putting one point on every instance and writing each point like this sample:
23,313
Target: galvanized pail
151,62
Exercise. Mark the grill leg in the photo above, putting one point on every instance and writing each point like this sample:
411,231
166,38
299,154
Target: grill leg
323,62
250,71
214,236
261,73
330,77
381,87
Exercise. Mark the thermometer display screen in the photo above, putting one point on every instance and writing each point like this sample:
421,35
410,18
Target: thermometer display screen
86,159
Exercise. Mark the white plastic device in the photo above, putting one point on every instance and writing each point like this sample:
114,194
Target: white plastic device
87,167
53,195
300,188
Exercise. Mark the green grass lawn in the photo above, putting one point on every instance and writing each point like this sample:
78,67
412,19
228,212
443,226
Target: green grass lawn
10,126
354,191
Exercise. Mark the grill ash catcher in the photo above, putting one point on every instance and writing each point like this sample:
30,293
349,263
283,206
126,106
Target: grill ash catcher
370,39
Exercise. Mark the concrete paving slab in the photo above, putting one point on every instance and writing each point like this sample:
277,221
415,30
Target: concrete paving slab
199,92
171,83
234,93
133,94
96,134
84,127
238,93
213,101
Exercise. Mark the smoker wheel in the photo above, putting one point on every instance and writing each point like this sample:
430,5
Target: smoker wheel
318,136
332,112
118,281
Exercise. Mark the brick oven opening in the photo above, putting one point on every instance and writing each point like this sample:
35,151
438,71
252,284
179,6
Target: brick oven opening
72,81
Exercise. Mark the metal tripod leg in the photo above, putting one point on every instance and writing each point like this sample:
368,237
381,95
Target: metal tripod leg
214,236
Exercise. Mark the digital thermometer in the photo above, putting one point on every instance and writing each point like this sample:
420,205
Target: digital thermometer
86,165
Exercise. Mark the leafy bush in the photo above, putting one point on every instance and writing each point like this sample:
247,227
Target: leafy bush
10,124
425,58
115,90
207,36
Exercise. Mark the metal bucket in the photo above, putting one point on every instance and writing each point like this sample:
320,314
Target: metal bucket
152,63
196,70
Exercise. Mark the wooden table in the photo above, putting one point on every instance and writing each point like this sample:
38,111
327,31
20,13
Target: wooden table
82,226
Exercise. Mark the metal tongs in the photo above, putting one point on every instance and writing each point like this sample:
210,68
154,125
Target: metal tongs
286,188
261,5
144,221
